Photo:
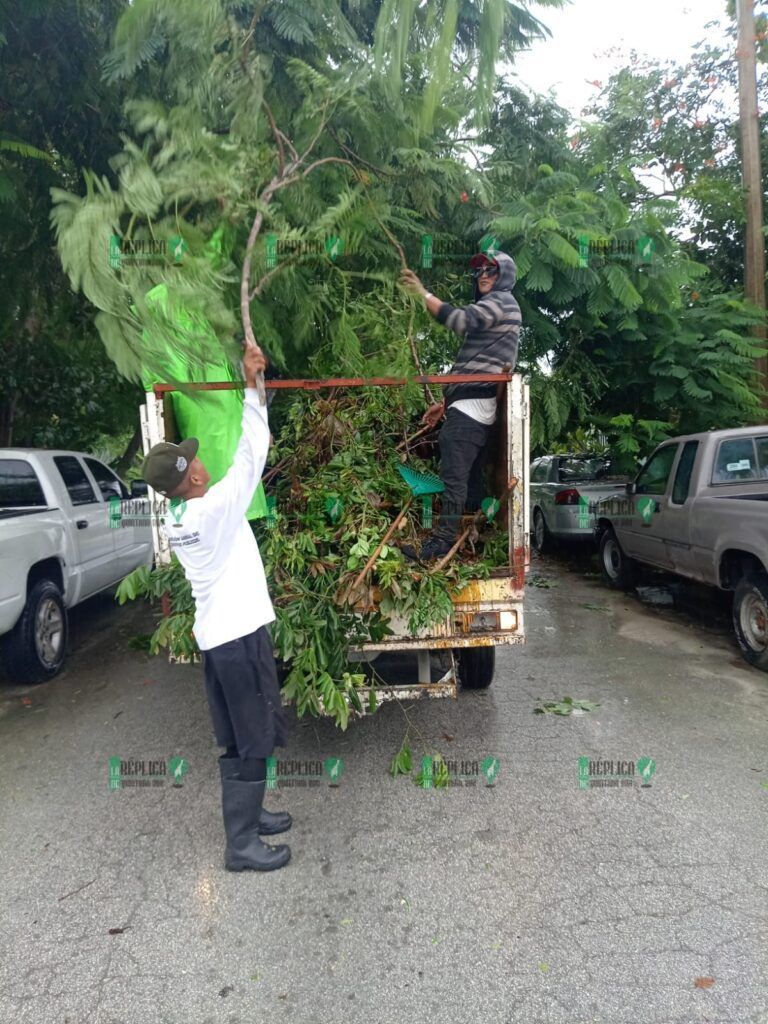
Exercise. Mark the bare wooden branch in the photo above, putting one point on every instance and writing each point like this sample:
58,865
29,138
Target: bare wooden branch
327,160
278,136
356,156
290,145
409,440
369,564
318,133
475,522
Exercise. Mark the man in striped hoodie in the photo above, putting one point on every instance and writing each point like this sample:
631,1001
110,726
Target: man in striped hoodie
490,327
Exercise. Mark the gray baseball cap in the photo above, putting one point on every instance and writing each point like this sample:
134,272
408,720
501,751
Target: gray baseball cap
166,464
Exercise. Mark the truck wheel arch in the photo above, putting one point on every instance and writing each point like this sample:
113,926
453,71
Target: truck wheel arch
736,564
46,569
35,649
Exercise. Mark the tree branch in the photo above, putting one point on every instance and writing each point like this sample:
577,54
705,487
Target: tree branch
327,160
277,134
318,133
357,157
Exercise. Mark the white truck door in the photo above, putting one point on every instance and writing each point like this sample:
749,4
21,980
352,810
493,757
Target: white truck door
92,535
133,540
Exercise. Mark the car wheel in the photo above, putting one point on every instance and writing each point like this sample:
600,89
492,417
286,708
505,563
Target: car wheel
750,619
477,666
34,650
542,538
619,570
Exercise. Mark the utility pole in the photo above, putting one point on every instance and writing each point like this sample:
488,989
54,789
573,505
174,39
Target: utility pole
754,248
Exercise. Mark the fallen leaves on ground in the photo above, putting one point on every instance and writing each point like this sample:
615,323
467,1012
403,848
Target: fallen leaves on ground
564,707
541,581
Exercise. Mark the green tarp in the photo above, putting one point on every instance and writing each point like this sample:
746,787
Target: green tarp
213,417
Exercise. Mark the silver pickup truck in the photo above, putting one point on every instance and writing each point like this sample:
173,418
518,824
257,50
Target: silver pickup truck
699,508
60,543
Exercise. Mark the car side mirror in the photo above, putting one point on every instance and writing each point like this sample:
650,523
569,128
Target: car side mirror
139,488
631,487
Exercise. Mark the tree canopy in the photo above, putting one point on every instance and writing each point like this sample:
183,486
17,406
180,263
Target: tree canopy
300,153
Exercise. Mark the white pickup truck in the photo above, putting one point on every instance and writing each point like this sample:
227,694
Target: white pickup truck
58,546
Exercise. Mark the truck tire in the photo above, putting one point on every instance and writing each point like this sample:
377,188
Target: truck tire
750,619
477,666
34,650
619,570
541,538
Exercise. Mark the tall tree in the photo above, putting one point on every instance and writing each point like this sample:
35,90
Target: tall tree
57,115
255,119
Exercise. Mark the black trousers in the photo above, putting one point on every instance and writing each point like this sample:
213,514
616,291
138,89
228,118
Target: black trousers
463,444
244,695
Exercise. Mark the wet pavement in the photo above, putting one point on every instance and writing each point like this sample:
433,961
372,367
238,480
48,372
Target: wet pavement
529,901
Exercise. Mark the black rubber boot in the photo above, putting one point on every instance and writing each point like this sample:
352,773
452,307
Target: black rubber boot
241,806
271,823
435,547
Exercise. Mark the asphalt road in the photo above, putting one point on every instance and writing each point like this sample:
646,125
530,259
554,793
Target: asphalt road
530,901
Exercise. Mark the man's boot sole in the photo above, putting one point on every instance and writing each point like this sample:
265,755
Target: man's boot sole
250,866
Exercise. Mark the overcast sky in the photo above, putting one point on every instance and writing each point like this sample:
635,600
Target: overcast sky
582,33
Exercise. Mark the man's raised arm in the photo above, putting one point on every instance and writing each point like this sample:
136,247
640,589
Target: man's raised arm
230,497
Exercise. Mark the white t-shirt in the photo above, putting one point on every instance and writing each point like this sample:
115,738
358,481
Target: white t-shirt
481,409
216,547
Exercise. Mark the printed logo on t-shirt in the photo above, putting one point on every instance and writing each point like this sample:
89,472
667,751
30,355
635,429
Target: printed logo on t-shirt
184,540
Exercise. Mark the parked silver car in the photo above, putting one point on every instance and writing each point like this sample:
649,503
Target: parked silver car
563,492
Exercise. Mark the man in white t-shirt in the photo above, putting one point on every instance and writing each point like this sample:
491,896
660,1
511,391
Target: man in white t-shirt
209,534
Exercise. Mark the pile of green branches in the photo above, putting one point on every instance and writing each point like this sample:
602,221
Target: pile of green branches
335,490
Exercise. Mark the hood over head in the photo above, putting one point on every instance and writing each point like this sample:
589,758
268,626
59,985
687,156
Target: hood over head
507,271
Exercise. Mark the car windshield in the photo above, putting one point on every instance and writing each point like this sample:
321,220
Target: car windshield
586,467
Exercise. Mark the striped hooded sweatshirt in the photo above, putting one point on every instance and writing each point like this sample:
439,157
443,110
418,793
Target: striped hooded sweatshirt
491,329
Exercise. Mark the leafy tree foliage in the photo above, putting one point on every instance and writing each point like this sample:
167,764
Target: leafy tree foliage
57,387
